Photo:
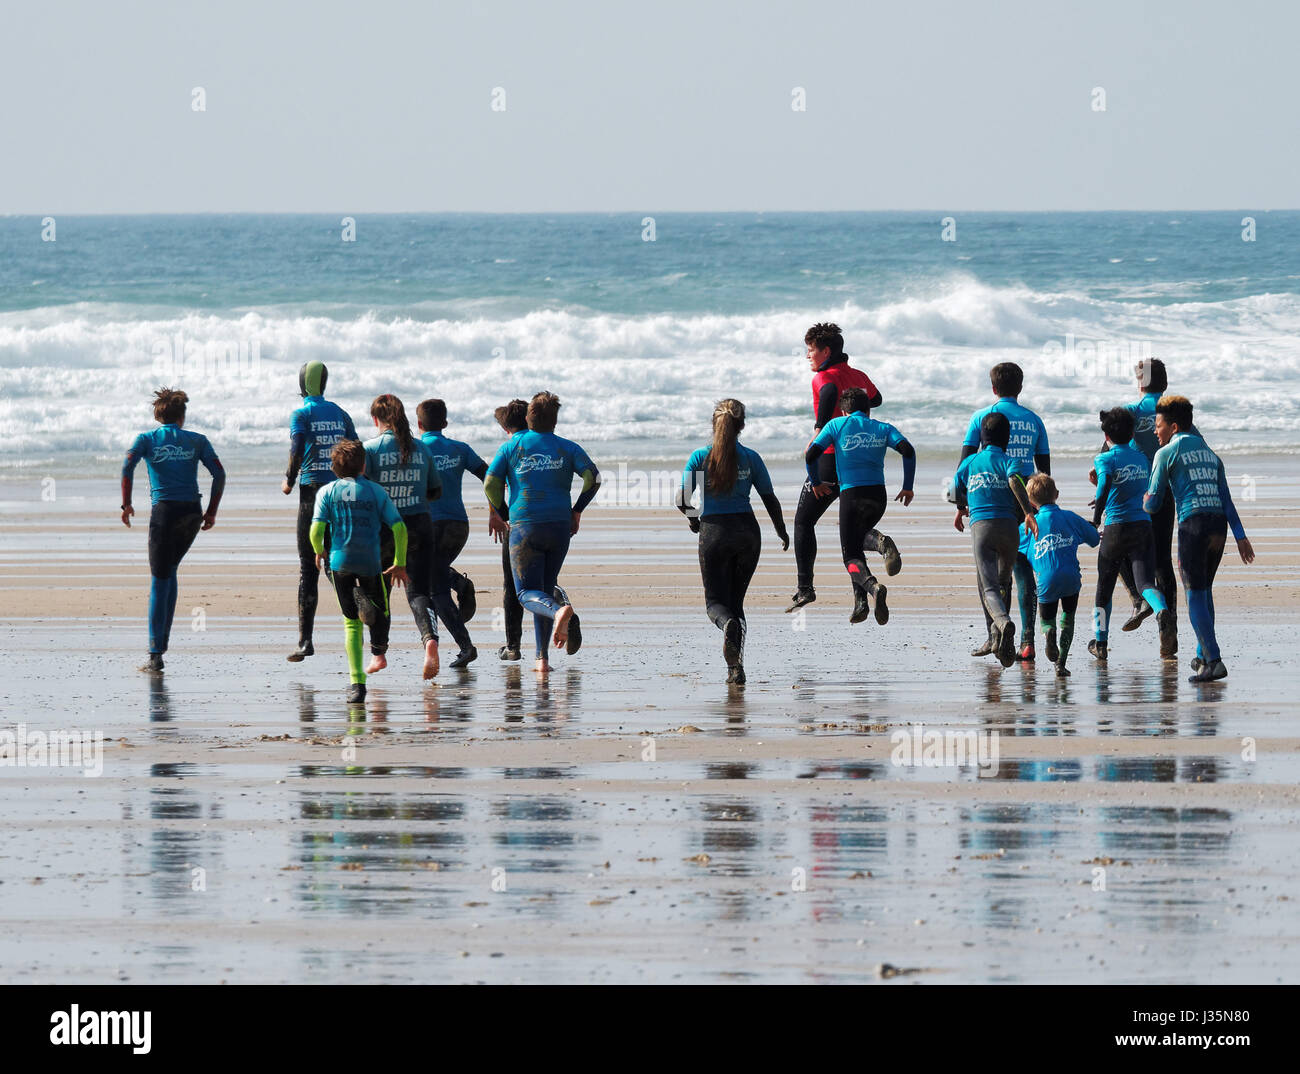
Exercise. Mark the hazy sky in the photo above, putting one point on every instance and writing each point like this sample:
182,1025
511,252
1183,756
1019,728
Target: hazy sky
371,107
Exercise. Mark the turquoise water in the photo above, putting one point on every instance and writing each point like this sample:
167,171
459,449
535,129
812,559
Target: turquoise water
639,338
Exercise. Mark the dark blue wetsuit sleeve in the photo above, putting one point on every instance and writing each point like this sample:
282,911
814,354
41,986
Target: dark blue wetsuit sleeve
828,398
904,448
585,469
959,485
348,428
474,464
433,484
1230,508
137,451
208,456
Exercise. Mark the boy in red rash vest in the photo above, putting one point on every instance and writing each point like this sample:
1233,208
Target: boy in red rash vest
832,375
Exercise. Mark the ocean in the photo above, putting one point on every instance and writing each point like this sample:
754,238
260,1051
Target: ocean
638,337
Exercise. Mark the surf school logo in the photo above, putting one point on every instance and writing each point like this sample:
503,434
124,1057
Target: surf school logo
1132,472
863,440
1146,424
1051,543
539,462
977,482
172,453
446,462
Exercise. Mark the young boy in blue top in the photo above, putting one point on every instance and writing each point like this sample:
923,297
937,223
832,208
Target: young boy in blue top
860,443
452,459
724,473
314,429
172,455
990,488
1122,475
1193,475
352,512
1027,446
1050,540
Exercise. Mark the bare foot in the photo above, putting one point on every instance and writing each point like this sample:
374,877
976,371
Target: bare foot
430,658
377,663
542,667
562,619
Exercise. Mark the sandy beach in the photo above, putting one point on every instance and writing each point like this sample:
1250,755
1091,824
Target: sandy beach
631,818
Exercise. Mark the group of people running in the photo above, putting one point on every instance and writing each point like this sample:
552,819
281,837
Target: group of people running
390,512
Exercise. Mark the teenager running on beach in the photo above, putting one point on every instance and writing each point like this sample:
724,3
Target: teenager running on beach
730,540
1050,539
513,419
314,429
539,467
1028,448
350,515
832,375
451,460
1193,475
171,455
859,443
403,467
1122,474
989,487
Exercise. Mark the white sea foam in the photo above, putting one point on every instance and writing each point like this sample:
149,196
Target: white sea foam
78,378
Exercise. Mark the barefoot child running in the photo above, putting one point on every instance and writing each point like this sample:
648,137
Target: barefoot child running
1049,540
172,455
352,512
860,443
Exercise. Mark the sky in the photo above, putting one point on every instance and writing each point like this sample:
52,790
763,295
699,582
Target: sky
664,106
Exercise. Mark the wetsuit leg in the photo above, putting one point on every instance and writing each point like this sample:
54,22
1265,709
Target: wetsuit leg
537,551
1162,534
345,585
1109,558
449,537
419,570
514,611
376,590
173,525
308,572
1069,606
1201,540
728,551
860,509
806,516
1027,590
995,542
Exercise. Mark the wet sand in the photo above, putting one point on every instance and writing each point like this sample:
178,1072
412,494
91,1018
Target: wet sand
631,818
